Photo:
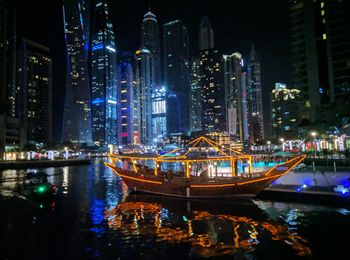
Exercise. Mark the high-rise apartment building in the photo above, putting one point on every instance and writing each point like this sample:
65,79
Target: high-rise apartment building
143,78
196,97
125,98
284,110
213,91
34,92
206,35
254,89
77,112
235,96
320,45
7,76
176,76
150,41
103,77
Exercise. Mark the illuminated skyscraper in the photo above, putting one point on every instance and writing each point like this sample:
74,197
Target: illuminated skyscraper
235,96
256,119
125,97
213,90
103,77
196,97
34,104
77,113
159,123
206,35
284,109
176,76
150,41
143,80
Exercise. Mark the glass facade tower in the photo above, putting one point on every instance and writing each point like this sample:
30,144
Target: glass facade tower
176,76
103,78
206,35
77,113
256,119
150,41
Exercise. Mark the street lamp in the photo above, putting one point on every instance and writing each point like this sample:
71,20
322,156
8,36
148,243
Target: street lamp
314,134
268,145
66,152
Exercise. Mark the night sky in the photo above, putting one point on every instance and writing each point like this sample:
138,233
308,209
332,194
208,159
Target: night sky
236,23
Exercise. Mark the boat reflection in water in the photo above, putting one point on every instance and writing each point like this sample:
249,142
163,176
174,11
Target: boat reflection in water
208,232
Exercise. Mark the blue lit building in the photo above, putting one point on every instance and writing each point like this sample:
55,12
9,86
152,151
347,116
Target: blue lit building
77,112
143,95
125,95
177,76
159,123
103,78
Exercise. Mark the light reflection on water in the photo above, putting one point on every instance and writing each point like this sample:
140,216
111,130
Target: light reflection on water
94,216
208,234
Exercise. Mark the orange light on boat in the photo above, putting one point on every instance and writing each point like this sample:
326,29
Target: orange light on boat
131,178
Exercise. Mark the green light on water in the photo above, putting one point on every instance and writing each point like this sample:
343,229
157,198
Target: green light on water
41,189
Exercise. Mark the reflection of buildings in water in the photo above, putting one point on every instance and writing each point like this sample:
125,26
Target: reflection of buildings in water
9,180
291,213
223,234
104,197
65,182
52,177
116,189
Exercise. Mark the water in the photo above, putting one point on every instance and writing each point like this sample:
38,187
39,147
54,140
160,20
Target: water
94,217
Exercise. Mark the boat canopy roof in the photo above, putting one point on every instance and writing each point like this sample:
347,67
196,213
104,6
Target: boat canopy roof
200,149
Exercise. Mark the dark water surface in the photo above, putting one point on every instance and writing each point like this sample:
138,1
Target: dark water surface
94,217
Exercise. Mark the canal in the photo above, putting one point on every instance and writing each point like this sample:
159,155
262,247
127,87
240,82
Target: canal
93,216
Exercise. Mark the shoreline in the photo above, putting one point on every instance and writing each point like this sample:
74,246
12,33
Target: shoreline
12,165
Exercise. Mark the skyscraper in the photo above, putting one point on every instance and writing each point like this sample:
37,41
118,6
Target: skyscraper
77,112
7,71
159,123
143,80
206,35
320,45
176,76
213,90
284,111
103,77
125,97
256,119
150,41
34,87
235,96
196,97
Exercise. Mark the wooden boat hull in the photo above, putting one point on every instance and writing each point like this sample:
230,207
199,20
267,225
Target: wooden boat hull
204,187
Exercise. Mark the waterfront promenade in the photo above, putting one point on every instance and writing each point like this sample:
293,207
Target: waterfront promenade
4,165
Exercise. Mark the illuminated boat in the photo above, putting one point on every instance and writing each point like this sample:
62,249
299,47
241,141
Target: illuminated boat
205,169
